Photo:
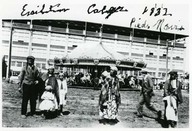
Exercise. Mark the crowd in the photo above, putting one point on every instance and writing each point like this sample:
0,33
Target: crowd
86,79
52,92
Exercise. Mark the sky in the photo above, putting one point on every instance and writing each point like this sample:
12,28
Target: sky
168,15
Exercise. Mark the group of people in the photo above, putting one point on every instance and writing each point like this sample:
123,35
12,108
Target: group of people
86,79
110,99
53,96
50,91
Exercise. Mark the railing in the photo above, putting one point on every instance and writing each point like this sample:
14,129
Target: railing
21,25
176,58
163,57
163,42
40,59
59,30
106,35
90,33
151,68
138,39
77,32
151,56
179,44
40,27
123,37
39,45
20,43
152,41
136,54
57,46
6,24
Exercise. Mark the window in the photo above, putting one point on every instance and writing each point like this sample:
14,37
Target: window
24,63
43,66
159,74
163,74
150,53
19,64
13,63
38,65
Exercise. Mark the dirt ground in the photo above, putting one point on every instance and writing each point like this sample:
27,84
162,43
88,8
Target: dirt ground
82,110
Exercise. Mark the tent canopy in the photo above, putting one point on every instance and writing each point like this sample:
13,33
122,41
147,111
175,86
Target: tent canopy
95,51
92,54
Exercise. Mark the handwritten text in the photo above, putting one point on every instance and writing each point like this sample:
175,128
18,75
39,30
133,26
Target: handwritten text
41,10
104,10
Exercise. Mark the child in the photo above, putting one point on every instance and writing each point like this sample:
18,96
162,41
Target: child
48,101
62,83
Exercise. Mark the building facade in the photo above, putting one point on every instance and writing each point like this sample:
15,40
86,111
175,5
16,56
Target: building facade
47,40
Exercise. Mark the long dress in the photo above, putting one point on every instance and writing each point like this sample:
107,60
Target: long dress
109,99
62,91
52,81
171,109
48,101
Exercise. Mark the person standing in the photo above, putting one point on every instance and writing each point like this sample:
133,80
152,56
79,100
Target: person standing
62,83
52,81
172,98
47,105
109,99
146,95
28,82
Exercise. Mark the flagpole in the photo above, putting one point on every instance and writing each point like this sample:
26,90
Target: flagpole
167,49
10,50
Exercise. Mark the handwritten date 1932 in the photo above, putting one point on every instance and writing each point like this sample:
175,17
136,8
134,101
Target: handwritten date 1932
41,9
104,10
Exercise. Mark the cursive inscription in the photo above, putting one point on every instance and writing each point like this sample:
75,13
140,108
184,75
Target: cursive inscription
42,9
160,24
138,24
156,11
104,10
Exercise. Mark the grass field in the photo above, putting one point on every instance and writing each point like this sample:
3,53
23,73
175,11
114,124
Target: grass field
82,108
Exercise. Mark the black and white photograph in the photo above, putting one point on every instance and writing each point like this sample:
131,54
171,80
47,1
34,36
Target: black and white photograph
95,64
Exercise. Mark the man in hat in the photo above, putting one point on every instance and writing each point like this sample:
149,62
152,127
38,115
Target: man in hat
172,89
28,82
146,95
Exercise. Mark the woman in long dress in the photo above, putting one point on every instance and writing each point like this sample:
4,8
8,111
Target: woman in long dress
109,98
172,99
171,110
52,81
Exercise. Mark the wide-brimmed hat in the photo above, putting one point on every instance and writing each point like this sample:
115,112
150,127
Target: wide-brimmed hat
113,68
173,72
51,67
30,57
48,88
144,71
105,74
61,74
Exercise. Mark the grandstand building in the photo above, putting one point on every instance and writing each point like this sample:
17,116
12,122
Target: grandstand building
47,39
